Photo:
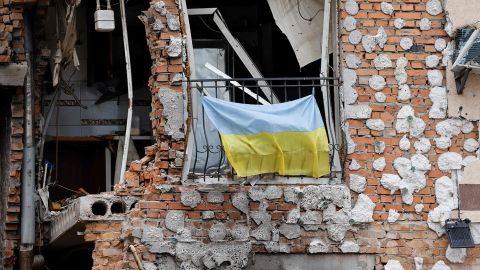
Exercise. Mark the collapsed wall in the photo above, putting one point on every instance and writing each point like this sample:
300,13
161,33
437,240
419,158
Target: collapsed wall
404,153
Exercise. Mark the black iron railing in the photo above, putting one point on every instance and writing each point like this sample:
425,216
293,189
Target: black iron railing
208,157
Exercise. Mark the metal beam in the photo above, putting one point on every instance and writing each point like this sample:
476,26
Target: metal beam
325,88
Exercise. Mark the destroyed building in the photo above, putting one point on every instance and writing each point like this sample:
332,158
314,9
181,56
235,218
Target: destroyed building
109,158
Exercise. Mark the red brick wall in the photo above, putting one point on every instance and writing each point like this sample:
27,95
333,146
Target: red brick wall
156,177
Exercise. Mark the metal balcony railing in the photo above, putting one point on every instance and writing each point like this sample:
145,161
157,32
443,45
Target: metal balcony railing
208,157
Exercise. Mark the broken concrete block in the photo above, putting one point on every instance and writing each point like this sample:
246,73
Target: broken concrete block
351,7
240,201
404,93
358,111
290,231
173,22
354,166
174,49
217,232
174,221
352,60
440,44
190,198
382,61
435,77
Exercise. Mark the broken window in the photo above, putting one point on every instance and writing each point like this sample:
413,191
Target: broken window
85,105
466,56
238,40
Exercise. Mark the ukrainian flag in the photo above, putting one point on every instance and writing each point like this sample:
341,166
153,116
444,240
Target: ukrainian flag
287,138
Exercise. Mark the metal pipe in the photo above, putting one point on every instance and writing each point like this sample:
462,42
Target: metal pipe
27,226
130,91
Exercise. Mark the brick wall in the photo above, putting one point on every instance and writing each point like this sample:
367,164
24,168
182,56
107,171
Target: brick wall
404,154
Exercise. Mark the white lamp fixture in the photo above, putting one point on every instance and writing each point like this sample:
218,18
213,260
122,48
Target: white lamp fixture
104,18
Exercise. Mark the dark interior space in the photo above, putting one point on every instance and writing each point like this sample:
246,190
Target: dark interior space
78,165
252,23
5,131
77,257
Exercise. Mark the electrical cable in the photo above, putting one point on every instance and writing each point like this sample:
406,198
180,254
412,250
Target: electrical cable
208,26
306,19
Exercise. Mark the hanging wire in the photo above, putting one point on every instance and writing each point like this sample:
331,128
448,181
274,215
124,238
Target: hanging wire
208,26
306,19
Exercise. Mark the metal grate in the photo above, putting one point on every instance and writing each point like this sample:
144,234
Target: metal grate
472,57
208,157
458,232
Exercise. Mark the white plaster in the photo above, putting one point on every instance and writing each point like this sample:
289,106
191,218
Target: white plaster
419,208
393,216
293,216
448,53
404,93
349,77
435,77
438,110
450,161
456,255
362,111
379,147
406,43
380,97
377,82
351,7
403,166
449,127
352,60
418,263
432,61
369,43
375,124
440,44
440,265
351,145
355,37
381,37
354,166
407,122
443,142
470,145
379,164
420,162
434,7
317,246
350,95
467,127
391,182
363,210
387,8
401,75
468,160
349,247
449,28
422,146
404,143
425,24
393,265
402,62
382,61
358,183
399,23
350,23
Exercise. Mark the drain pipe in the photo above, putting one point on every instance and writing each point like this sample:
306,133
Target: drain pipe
27,226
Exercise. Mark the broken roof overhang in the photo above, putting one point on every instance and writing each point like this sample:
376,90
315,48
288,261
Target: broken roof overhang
304,35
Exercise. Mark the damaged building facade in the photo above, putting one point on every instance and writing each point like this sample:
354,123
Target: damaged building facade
402,126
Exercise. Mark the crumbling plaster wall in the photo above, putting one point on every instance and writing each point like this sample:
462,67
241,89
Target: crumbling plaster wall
403,154
462,14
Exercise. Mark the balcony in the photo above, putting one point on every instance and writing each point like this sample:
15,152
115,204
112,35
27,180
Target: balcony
208,162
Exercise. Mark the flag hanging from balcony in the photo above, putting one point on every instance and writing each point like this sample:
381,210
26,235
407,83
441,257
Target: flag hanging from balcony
287,138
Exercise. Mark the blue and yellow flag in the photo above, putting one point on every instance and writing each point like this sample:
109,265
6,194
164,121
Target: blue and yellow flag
287,138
